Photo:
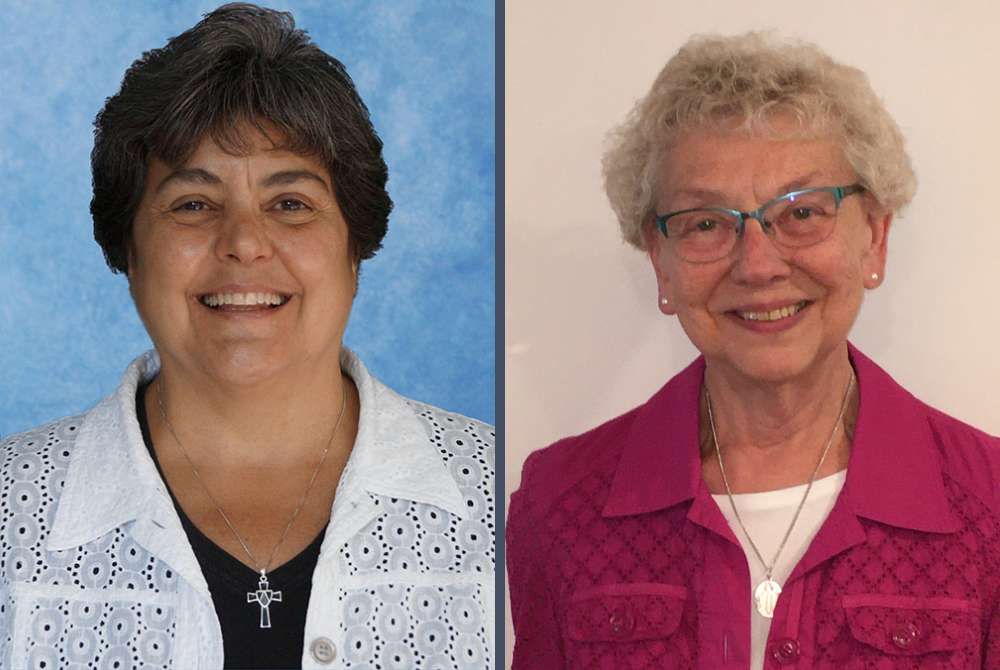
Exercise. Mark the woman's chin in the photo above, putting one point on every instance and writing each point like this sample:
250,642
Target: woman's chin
241,370
770,364
240,363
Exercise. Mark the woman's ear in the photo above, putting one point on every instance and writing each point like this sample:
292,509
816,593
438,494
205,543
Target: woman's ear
873,264
656,257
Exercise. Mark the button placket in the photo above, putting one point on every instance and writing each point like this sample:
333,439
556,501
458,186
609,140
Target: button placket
787,649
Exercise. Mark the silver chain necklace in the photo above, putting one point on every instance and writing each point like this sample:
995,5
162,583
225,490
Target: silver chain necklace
765,598
263,595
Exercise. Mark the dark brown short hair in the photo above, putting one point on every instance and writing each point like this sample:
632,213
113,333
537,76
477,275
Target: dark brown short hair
241,67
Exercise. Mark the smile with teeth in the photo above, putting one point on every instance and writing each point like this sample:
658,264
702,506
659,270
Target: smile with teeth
243,301
772,315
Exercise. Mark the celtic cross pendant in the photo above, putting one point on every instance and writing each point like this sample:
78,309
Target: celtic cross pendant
264,596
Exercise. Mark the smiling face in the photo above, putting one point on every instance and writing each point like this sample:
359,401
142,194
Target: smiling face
764,311
240,265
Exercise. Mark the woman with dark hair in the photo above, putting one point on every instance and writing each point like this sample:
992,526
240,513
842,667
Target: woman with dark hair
249,496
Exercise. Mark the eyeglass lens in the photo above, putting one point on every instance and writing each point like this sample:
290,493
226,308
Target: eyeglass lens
794,221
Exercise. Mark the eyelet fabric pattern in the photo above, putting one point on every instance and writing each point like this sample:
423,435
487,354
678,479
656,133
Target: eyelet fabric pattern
96,570
49,610
434,605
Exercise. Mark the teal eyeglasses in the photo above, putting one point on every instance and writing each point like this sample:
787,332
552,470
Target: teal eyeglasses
797,219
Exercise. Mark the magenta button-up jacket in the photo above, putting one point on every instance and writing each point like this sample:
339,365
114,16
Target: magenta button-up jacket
619,558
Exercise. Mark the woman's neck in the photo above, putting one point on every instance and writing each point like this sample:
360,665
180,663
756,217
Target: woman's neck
273,422
772,434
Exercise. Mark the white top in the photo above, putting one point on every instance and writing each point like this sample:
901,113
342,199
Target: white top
766,517
96,570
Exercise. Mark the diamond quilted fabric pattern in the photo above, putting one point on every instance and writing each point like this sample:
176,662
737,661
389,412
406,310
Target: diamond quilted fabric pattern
619,558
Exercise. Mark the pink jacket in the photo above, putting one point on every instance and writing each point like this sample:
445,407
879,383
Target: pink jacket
619,558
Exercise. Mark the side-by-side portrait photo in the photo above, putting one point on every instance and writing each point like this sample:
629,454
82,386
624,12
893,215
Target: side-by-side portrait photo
751,384
250,251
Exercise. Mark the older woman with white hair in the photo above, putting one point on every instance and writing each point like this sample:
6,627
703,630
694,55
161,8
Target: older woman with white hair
782,502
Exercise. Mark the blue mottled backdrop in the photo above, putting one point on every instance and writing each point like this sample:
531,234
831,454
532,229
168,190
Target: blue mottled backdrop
424,319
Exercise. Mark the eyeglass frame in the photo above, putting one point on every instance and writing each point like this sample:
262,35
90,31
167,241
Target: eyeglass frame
839,193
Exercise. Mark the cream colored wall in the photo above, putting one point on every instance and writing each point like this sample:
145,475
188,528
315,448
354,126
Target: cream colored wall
584,340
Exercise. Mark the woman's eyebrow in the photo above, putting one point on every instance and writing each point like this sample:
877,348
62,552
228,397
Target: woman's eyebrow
189,175
202,176
798,184
701,194
710,195
287,177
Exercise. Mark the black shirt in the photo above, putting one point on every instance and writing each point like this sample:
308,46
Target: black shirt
245,643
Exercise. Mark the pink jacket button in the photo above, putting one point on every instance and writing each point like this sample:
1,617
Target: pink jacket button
905,635
785,651
621,623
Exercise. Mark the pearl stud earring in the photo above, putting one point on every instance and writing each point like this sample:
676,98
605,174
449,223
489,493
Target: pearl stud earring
664,301
875,276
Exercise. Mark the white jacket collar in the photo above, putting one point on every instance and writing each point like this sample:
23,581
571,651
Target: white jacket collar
111,479
393,455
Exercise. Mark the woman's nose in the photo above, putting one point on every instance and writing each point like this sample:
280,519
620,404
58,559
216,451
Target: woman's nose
243,237
758,259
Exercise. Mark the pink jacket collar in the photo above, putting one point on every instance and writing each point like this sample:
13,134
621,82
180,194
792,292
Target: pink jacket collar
893,476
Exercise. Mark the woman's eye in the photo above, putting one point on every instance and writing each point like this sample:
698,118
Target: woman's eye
801,213
192,206
706,225
290,205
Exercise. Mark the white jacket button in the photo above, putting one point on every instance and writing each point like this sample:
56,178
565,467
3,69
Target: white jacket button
323,650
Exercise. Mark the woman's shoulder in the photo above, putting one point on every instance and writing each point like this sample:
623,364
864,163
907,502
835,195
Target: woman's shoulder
665,424
970,456
558,467
33,471
414,450
391,412
42,450
950,430
902,427
449,432
58,439
60,436
458,440
439,422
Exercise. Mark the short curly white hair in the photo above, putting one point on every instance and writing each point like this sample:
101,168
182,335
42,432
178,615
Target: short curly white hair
714,80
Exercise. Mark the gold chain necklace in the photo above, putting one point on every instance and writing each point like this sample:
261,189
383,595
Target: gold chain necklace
765,598
263,595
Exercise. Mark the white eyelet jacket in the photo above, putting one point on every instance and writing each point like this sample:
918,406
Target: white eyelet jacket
96,570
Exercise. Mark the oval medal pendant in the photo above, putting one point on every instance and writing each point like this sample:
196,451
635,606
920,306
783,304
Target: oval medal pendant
766,597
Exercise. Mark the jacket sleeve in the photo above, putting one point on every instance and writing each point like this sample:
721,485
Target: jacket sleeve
537,639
